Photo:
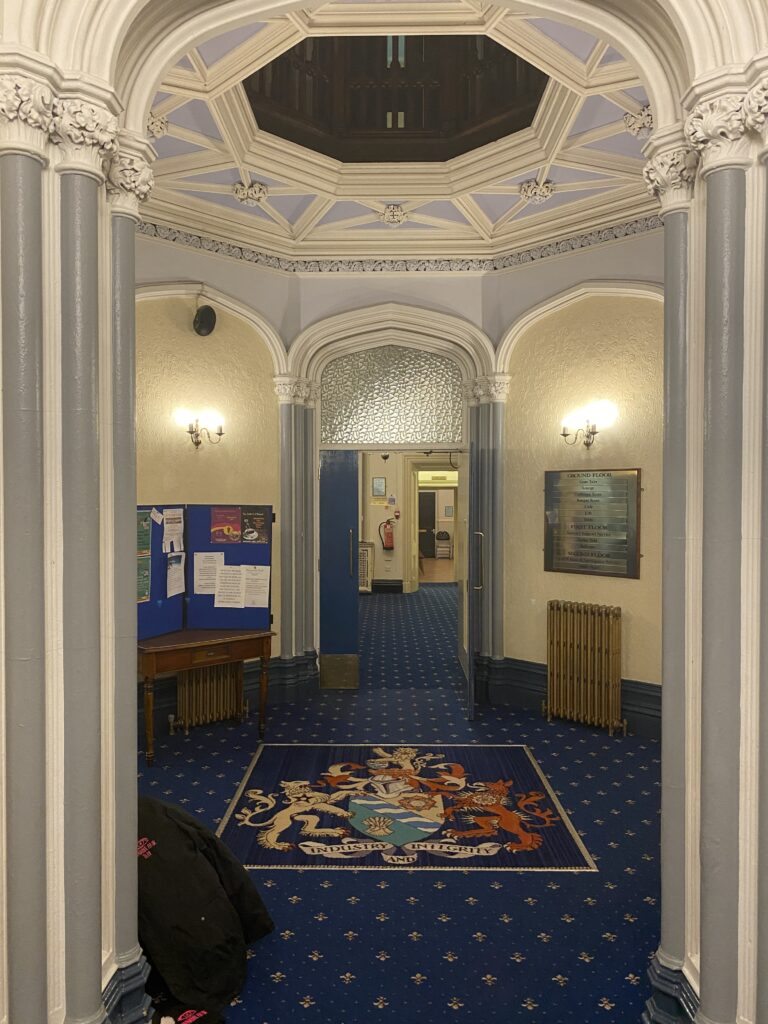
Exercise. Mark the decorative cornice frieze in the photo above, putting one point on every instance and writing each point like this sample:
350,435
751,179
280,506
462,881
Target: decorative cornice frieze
717,129
393,215
26,110
641,124
250,195
86,132
157,125
537,192
671,175
129,182
517,258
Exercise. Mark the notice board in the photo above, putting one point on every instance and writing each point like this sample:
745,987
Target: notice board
592,522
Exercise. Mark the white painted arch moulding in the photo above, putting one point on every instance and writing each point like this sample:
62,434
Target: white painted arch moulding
133,42
586,290
391,323
187,289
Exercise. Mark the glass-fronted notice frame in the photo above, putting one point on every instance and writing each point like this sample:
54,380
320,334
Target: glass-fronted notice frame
592,522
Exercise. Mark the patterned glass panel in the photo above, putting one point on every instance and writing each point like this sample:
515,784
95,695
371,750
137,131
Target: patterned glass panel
391,395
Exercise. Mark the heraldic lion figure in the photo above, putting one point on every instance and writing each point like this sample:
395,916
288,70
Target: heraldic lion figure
304,804
487,807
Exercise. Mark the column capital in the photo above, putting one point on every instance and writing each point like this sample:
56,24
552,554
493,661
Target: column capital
87,133
26,111
129,176
482,390
671,175
756,112
717,129
293,390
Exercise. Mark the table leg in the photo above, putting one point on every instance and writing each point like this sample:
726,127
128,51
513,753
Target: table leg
263,686
149,718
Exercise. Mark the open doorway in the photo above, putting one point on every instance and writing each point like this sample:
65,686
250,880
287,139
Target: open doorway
404,553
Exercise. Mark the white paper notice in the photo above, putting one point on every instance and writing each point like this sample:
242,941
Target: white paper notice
156,517
230,587
206,566
256,586
175,583
173,529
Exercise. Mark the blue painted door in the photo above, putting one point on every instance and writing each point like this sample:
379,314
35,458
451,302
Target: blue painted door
339,520
475,581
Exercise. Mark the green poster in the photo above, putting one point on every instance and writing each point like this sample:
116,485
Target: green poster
143,578
143,532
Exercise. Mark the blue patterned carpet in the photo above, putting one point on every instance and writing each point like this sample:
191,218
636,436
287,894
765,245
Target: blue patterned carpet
352,947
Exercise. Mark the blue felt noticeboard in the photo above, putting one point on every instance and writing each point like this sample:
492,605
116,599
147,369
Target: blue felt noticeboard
201,613
160,614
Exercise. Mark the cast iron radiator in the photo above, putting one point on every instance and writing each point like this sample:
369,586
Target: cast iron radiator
584,664
212,693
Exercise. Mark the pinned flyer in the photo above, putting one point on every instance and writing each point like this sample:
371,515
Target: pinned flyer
206,566
230,587
156,516
173,530
175,574
256,593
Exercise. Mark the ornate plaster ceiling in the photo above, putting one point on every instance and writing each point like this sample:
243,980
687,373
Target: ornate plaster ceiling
578,167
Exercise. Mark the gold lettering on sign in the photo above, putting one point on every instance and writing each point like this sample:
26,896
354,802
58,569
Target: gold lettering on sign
592,522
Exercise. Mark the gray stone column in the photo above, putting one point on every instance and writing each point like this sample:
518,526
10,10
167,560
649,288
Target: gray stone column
498,409
309,523
81,503
21,279
287,390
670,176
488,569
129,182
300,568
721,601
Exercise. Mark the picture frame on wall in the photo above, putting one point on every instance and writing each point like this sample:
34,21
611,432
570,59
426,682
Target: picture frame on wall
379,487
448,512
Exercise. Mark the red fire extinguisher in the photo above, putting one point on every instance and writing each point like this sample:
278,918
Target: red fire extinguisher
387,535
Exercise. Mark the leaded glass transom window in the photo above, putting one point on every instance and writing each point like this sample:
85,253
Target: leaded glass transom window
391,395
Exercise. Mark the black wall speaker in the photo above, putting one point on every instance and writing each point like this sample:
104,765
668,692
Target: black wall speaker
205,321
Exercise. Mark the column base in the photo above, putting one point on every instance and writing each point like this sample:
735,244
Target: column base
673,1001
124,998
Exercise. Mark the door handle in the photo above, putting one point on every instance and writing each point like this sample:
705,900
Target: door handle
351,572
481,560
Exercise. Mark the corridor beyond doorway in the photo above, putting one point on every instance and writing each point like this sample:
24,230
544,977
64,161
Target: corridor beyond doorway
408,641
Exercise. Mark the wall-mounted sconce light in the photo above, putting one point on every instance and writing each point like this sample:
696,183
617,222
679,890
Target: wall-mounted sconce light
208,425
584,423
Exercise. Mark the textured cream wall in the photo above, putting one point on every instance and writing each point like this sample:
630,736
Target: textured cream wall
230,371
599,347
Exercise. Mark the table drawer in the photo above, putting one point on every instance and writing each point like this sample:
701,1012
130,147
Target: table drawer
179,659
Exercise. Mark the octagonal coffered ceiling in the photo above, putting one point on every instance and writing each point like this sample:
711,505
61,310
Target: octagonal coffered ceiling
577,167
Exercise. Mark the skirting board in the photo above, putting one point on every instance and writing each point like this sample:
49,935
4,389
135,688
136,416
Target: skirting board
673,1001
290,679
387,587
523,684
124,997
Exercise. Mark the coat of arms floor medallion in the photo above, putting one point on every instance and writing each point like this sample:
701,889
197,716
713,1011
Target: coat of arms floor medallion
401,807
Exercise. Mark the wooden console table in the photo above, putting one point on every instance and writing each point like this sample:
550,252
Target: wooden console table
189,649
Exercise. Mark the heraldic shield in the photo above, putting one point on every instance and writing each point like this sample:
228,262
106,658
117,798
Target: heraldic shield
398,812
400,807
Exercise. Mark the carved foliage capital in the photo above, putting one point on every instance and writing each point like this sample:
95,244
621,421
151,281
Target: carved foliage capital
129,180
487,389
23,99
82,125
671,175
294,390
756,107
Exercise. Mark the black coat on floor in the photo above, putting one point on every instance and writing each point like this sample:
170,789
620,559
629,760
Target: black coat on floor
198,909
